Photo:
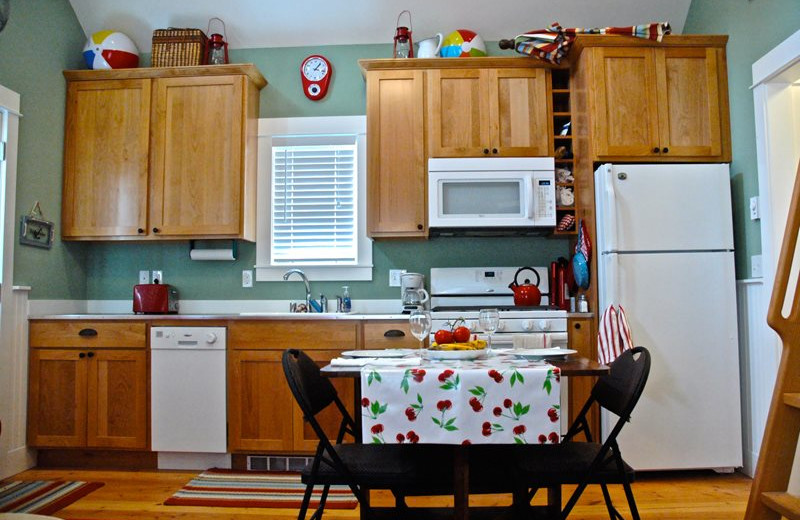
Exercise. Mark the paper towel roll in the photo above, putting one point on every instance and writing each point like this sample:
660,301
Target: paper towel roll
212,254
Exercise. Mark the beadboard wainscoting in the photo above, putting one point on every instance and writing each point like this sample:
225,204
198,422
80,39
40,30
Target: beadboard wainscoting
759,354
15,456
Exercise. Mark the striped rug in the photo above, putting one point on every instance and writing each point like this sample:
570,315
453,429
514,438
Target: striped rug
230,488
42,496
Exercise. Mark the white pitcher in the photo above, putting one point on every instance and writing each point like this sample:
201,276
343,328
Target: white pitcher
429,47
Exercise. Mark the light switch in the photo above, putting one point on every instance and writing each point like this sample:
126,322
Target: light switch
755,210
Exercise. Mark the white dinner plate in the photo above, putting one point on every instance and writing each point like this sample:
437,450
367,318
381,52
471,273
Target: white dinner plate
454,354
538,353
379,353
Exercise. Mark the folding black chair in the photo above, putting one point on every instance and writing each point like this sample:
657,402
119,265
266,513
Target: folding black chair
405,470
584,463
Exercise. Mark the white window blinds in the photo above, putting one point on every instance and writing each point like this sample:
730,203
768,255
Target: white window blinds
314,207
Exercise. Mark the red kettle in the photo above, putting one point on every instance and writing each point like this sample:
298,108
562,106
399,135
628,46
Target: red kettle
527,294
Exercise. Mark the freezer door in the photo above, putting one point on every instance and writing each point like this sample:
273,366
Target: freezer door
682,308
664,207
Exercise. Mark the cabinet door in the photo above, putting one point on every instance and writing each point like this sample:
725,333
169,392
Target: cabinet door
330,419
396,154
117,399
625,118
196,171
582,338
689,102
519,105
57,398
458,115
106,145
260,405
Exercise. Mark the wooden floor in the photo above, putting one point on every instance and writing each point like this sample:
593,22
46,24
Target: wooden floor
139,495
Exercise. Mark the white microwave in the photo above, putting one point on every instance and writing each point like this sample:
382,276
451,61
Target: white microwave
491,193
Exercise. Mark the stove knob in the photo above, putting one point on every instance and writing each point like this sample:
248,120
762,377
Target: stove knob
211,337
544,325
527,325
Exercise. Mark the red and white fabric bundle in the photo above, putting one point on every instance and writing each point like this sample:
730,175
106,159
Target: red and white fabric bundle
613,335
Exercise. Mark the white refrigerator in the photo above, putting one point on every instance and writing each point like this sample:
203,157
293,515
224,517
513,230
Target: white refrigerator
665,253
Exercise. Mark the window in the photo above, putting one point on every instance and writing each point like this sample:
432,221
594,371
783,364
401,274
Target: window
312,198
9,133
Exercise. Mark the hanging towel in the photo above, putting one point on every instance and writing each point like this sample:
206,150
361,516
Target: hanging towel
614,335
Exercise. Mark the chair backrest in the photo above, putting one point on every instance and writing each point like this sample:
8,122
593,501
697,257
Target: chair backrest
313,392
620,389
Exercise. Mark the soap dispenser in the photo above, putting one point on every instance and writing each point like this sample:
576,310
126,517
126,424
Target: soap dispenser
346,303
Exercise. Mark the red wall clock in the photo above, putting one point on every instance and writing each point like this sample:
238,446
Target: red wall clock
316,73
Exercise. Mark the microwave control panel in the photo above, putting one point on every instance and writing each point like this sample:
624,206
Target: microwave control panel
544,196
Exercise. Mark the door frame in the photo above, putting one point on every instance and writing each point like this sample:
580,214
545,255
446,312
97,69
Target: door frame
776,96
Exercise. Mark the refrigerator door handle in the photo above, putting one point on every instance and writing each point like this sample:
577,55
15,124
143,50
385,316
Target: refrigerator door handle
611,210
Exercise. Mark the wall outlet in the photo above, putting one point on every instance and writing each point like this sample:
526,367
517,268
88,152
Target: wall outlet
144,277
158,275
394,277
755,210
247,278
756,270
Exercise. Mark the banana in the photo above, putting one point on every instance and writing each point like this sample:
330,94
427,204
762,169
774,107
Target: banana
475,344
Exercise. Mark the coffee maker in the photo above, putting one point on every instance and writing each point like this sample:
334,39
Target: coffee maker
413,293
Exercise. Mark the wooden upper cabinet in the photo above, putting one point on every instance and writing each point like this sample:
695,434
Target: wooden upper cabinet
489,112
196,175
396,166
161,153
663,103
106,149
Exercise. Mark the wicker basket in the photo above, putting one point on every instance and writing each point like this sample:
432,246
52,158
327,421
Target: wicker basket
175,47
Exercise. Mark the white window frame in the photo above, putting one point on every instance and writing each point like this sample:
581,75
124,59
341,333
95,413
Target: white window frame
269,127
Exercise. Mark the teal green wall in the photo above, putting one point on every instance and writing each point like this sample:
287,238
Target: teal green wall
754,28
43,38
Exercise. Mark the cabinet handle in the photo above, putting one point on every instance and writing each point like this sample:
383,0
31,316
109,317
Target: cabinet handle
394,333
140,231
155,230
420,226
494,151
81,355
90,354
87,333
665,150
577,325
486,151
656,149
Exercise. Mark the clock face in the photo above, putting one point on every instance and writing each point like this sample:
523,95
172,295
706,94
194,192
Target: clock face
315,68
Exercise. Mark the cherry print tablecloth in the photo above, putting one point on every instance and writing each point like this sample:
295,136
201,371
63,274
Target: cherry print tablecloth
461,402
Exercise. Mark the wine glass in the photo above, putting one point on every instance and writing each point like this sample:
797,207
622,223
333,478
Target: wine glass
489,320
420,322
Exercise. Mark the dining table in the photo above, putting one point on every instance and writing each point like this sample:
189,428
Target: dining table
502,399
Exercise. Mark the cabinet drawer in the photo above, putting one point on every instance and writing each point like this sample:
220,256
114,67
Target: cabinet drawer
83,334
302,334
392,334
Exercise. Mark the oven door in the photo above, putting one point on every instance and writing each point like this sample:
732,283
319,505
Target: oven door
475,199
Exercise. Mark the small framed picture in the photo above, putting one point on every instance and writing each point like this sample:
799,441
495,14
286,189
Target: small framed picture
36,232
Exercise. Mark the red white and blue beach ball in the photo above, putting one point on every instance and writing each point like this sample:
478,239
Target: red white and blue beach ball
110,50
463,43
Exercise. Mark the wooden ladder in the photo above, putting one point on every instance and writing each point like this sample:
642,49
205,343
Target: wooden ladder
769,499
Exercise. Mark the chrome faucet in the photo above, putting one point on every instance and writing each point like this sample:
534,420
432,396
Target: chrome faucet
302,275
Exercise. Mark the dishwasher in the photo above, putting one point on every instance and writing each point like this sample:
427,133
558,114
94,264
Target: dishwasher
188,397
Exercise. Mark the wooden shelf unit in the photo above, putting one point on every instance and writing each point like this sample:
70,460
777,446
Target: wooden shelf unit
562,115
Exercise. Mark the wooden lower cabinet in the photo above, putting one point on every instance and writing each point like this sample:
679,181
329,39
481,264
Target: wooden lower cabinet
88,385
262,413
583,338
88,398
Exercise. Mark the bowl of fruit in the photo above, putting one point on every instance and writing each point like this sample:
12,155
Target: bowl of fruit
456,341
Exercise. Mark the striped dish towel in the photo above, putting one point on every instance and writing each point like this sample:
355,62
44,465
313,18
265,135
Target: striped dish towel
613,335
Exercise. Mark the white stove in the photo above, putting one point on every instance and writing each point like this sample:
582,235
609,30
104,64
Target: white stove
460,292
